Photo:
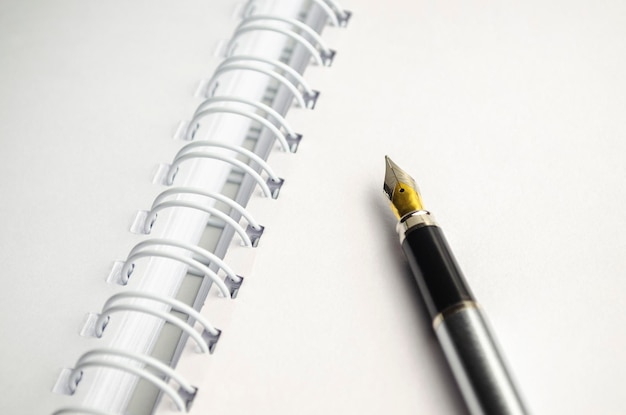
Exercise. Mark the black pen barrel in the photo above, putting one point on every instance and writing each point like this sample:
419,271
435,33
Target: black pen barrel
438,275
460,326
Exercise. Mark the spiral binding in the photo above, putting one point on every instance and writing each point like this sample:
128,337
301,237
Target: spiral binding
151,218
228,66
97,358
273,183
305,96
254,230
254,117
197,260
322,56
206,342
270,188
326,53
288,139
229,287
291,136
249,236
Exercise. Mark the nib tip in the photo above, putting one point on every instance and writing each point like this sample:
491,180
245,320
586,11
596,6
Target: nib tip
401,189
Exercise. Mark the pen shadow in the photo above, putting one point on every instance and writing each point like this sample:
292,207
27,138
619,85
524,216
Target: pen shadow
390,242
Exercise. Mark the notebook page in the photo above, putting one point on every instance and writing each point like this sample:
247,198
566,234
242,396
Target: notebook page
509,116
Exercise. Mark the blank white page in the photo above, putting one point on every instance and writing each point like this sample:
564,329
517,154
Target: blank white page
91,95
510,116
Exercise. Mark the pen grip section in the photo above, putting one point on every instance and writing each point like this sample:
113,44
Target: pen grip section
438,275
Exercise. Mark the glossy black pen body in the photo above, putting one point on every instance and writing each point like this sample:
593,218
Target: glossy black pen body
458,321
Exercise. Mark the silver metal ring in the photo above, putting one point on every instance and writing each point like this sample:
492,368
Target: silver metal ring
416,220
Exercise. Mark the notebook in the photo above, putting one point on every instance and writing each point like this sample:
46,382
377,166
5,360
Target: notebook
508,116
133,136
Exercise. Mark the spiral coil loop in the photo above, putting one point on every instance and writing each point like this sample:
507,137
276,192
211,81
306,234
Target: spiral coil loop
270,188
325,53
210,334
98,358
282,122
209,257
248,114
237,149
245,28
139,251
309,95
305,98
288,140
213,211
254,230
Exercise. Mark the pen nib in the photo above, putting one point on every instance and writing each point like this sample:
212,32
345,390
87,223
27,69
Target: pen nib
401,189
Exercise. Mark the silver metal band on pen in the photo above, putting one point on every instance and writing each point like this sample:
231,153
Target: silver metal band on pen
415,219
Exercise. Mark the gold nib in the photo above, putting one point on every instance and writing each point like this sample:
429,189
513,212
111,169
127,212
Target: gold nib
401,189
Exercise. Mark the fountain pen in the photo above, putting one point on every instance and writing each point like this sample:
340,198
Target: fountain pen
457,319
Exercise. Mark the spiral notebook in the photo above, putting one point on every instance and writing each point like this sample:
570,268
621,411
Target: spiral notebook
192,213
133,138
